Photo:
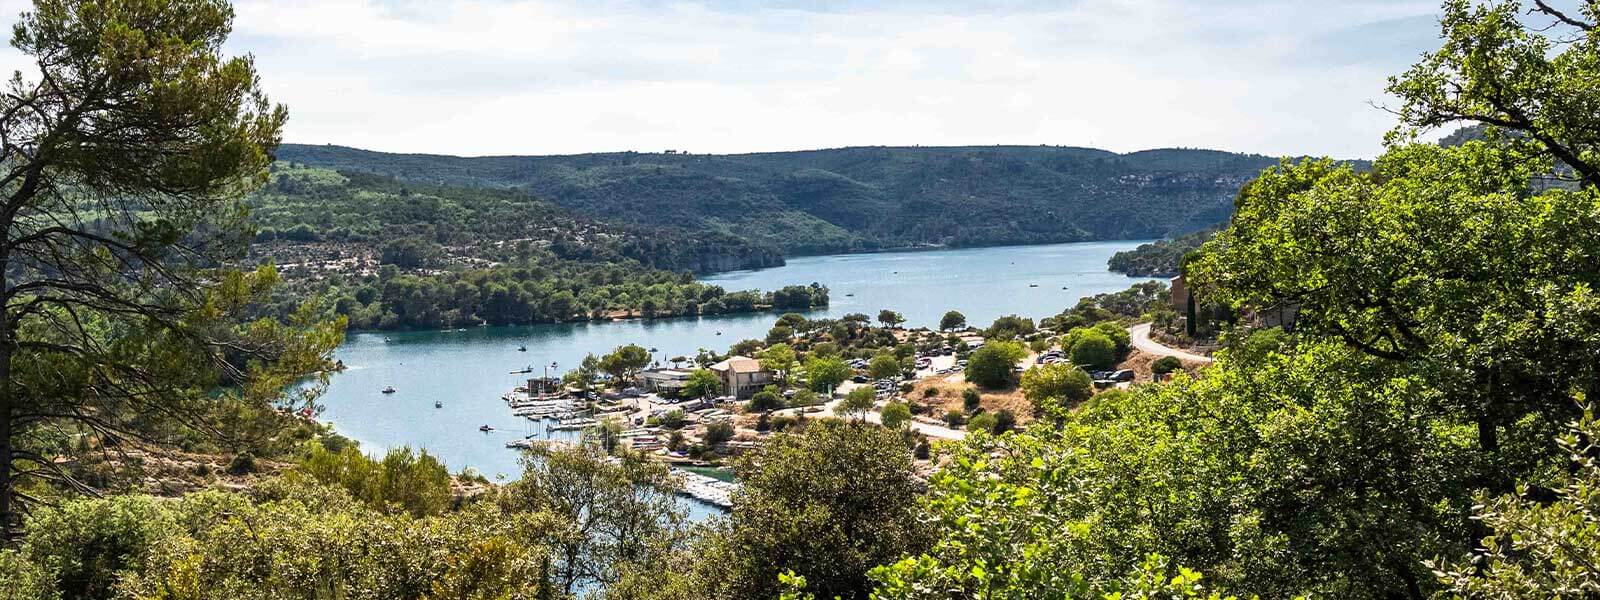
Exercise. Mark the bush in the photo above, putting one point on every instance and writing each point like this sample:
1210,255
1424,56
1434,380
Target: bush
1166,364
971,400
896,415
717,433
1004,421
243,463
982,422
992,366
88,545
766,400
955,418
672,419
1057,384
1093,350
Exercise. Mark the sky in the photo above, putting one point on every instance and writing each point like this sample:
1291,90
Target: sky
481,77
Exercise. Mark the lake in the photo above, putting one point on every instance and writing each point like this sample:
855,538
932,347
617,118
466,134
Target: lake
468,370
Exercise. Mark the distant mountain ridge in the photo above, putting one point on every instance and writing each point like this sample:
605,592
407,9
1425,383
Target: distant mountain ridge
862,198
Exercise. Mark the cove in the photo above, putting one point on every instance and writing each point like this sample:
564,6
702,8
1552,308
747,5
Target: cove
467,370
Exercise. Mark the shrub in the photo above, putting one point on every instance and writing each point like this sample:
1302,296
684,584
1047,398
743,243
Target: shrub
717,433
1094,350
1004,421
243,463
992,366
1166,364
981,422
896,415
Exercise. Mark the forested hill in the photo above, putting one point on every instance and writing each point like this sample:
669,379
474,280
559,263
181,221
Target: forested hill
860,198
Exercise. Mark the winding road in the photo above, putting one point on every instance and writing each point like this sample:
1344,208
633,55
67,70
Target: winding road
1140,335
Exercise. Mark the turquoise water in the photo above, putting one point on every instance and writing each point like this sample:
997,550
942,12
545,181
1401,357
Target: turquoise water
468,370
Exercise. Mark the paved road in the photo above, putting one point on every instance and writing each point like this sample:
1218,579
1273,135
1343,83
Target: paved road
1141,340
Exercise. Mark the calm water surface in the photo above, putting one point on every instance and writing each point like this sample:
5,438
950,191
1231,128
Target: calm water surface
468,370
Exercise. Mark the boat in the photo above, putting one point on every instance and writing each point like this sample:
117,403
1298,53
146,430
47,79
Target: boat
438,404
524,371
387,340
1033,285
485,428
389,390
522,348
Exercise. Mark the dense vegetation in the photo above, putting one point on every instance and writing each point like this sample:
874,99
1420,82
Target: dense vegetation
1423,431
389,255
861,198
351,210
1161,258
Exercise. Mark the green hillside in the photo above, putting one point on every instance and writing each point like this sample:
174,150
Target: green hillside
396,255
860,198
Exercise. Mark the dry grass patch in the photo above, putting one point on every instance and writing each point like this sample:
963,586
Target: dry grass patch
949,398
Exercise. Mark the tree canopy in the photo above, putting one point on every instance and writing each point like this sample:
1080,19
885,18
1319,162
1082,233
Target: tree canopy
122,168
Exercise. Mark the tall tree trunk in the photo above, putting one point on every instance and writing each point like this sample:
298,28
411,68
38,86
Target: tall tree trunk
8,410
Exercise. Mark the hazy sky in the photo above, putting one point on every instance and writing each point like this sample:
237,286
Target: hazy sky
531,77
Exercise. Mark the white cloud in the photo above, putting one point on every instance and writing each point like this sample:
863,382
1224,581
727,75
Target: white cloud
538,77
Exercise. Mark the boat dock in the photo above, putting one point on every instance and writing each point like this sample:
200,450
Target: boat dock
706,489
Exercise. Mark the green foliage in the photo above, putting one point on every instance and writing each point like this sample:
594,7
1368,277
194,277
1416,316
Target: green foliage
1004,420
971,400
717,433
624,363
780,359
404,481
468,256
21,579
952,320
1054,389
766,400
1161,258
856,198
1132,303
890,318
1118,335
610,515
1093,350
1228,474
1154,578
1526,73
128,146
824,373
896,415
1009,327
1166,364
883,366
984,422
826,504
858,403
88,546
409,252
993,366
1545,548
702,383
1484,282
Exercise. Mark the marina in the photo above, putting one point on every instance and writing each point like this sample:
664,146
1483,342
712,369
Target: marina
450,383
